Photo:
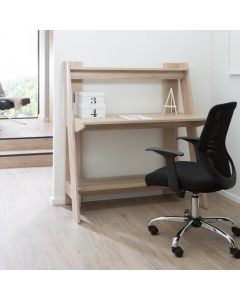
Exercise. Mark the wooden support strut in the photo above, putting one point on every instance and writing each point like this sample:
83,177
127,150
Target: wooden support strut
188,108
72,157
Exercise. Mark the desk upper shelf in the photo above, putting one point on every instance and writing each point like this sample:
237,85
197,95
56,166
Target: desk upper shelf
157,120
79,72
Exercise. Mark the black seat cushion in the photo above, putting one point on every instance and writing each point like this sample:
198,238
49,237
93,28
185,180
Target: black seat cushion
6,104
191,175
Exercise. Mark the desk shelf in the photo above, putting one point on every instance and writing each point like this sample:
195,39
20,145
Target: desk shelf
157,120
78,72
113,184
173,76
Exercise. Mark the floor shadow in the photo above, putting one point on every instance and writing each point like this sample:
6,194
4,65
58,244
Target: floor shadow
130,232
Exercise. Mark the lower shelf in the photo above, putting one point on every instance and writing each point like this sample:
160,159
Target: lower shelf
113,184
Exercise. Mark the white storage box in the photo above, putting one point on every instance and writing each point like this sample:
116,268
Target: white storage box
89,98
97,111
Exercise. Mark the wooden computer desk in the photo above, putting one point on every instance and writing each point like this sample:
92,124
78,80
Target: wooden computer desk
173,76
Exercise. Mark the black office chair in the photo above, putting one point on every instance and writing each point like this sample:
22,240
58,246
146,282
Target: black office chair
213,171
7,103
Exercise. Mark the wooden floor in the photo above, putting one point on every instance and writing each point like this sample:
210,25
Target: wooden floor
25,145
30,128
113,235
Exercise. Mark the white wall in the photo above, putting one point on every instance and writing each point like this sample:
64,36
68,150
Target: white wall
227,88
122,152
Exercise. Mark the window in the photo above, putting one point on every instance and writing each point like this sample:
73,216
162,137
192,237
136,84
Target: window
19,69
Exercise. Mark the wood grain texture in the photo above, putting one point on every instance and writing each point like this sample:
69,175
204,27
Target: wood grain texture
26,161
32,128
72,157
113,185
26,144
111,122
127,74
112,235
77,66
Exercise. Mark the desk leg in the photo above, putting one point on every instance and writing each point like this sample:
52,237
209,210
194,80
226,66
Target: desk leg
169,141
203,201
169,136
72,172
68,199
203,197
78,139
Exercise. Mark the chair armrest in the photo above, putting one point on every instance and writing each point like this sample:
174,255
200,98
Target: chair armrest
169,156
193,141
166,152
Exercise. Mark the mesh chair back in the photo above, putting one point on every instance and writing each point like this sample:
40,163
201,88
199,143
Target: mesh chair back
211,147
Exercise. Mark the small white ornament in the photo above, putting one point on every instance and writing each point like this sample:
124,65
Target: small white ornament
172,105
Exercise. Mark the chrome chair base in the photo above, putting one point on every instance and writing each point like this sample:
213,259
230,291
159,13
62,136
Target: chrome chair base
192,219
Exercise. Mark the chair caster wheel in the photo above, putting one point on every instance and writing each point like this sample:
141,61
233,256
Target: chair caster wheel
153,229
236,230
235,252
187,213
178,251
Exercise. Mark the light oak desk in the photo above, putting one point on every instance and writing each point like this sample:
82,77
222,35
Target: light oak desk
172,75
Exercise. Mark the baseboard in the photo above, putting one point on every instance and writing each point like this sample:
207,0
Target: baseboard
230,196
57,200
43,118
61,200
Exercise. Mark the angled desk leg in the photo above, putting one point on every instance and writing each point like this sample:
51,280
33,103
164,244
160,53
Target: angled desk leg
79,167
169,141
203,197
68,199
191,131
73,148
204,201
169,135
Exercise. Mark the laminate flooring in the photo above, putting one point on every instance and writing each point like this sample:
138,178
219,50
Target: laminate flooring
112,235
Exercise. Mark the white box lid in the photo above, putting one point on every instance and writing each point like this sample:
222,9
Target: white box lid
90,94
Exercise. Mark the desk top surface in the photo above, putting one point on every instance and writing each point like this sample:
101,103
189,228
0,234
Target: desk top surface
152,120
